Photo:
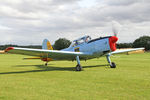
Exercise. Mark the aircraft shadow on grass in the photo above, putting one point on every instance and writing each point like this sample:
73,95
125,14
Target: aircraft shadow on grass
43,68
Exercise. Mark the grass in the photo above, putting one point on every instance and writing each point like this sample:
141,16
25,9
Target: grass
30,80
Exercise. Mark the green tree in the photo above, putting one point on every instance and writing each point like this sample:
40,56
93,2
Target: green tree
61,43
143,41
124,45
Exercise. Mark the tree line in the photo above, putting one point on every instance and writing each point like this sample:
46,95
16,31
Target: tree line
59,44
3,47
143,41
62,43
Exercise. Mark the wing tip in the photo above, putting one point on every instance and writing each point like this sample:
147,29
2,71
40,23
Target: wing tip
8,49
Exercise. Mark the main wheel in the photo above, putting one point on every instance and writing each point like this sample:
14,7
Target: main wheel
113,65
78,67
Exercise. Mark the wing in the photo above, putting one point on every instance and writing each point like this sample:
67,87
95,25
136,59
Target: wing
54,54
126,50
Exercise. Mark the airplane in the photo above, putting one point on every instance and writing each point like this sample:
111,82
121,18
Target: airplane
83,48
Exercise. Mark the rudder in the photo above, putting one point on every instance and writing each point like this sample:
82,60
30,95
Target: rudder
46,45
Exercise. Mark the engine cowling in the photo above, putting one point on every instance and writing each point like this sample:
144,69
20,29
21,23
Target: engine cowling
112,42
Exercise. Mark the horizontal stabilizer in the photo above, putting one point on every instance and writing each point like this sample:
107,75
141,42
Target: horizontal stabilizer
31,58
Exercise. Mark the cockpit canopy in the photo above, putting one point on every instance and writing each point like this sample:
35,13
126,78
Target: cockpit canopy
81,40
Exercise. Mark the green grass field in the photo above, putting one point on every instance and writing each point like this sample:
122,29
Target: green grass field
30,80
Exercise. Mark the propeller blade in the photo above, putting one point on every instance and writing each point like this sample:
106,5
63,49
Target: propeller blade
116,28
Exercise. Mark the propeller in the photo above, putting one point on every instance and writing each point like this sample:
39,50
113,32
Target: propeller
116,28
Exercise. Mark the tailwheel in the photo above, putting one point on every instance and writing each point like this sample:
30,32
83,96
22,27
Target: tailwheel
78,67
46,63
112,65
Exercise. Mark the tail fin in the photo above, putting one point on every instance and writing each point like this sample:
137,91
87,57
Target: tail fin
46,45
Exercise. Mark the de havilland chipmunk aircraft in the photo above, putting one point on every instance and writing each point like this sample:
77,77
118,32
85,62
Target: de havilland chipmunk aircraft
83,48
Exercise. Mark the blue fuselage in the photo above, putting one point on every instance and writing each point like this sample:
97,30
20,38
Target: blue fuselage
96,48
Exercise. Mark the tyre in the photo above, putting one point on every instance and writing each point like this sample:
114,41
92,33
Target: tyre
113,65
78,68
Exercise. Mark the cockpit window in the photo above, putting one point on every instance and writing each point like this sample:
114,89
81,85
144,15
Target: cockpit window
74,43
87,39
80,41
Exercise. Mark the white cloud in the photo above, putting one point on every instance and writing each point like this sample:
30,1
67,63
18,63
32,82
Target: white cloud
32,21
4,28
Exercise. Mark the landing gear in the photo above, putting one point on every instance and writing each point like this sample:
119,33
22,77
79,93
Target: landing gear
112,64
46,63
78,67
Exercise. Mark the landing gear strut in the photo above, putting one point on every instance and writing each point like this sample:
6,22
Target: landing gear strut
112,64
78,67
